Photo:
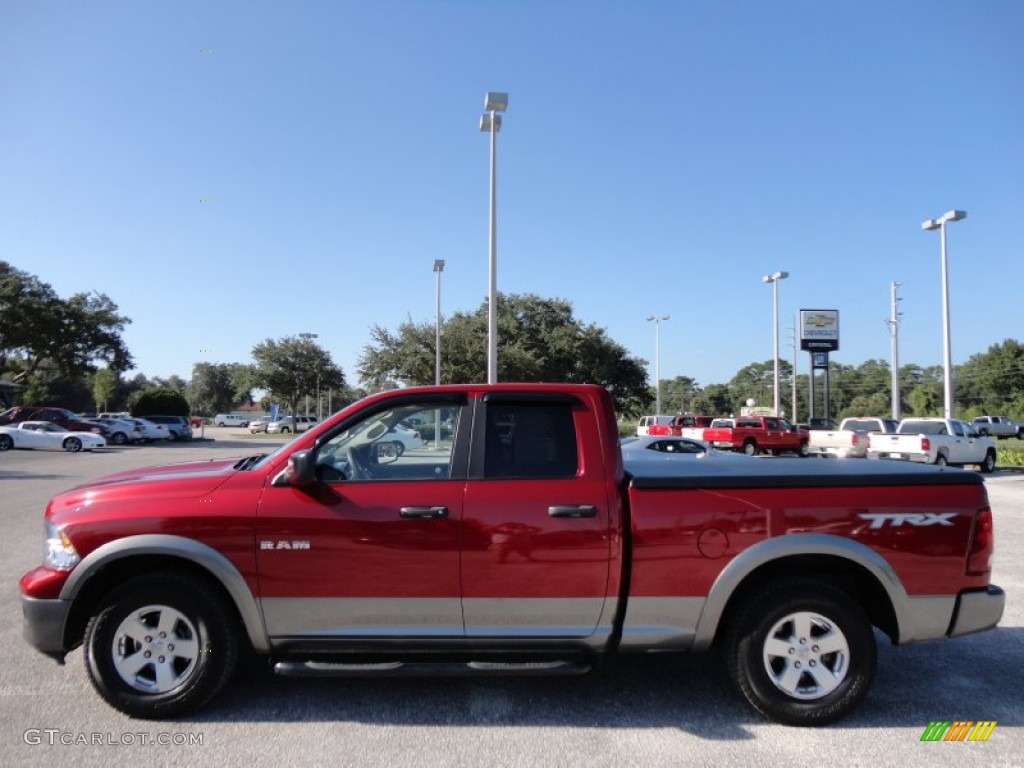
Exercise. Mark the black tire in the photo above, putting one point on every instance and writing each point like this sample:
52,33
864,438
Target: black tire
72,445
750,448
6,442
989,464
940,460
173,436
285,430
119,438
178,682
804,451
827,685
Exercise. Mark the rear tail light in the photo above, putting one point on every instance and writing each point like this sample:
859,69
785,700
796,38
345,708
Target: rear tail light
926,444
982,543
854,439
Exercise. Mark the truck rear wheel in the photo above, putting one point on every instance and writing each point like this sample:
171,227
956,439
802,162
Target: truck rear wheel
940,460
801,652
750,448
161,646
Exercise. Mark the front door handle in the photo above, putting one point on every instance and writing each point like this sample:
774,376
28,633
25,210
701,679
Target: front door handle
436,512
572,510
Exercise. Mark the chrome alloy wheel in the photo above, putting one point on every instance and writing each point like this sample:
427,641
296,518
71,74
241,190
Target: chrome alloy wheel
155,649
806,655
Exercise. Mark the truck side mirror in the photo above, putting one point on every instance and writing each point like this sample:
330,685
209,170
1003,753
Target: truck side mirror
300,471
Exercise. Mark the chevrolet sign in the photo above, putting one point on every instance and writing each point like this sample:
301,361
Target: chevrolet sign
819,329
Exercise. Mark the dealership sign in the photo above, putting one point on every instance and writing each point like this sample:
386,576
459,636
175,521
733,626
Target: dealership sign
819,329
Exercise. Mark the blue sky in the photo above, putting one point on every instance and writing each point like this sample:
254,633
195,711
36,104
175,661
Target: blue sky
656,158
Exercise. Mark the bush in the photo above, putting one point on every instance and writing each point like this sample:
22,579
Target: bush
1010,457
159,401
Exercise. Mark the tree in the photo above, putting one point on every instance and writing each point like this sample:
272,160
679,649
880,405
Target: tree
161,400
104,383
220,387
42,330
678,395
539,339
991,382
290,369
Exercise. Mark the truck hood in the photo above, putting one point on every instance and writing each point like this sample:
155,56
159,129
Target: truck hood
194,479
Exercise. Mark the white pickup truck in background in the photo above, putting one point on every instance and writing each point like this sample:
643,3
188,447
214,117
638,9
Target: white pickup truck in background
935,441
997,426
851,439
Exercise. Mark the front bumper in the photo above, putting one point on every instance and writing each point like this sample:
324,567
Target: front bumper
43,625
977,610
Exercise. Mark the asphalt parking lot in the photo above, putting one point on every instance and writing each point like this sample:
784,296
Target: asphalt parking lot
649,711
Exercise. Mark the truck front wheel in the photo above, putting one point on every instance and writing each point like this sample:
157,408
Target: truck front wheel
801,652
161,646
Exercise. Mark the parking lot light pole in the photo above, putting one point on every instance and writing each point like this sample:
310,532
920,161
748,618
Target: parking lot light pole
307,337
490,122
657,359
438,269
947,362
774,278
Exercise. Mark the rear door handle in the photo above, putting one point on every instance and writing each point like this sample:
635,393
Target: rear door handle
572,510
411,512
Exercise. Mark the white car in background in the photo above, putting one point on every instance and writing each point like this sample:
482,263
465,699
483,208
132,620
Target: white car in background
291,424
150,430
118,431
45,435
402,438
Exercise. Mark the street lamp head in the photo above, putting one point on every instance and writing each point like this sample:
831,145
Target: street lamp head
439,265
485,122
495,101
658,318
775,276
930,224
954,215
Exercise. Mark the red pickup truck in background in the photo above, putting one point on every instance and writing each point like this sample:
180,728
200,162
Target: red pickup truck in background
759,434
519,543
687,425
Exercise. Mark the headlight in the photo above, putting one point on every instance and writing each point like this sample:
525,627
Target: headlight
58,551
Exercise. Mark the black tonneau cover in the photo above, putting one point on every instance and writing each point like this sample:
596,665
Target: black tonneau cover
706,472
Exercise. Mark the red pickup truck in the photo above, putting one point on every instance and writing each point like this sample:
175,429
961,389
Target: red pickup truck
518,544
759,434
688,425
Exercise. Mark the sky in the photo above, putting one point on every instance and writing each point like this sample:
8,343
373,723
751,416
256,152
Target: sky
229,172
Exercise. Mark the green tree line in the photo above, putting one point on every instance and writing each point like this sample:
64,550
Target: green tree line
69,352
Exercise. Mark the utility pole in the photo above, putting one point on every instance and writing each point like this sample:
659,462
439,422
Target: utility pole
793,414
894,330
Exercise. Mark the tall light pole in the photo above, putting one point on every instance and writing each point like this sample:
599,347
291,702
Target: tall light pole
947,363
307,337
490,122
438,269
657,359
774,278
894,331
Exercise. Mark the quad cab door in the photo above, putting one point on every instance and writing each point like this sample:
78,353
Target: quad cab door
536,541
372,551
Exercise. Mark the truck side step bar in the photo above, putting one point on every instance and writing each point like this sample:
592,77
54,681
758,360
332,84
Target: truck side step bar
428,669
